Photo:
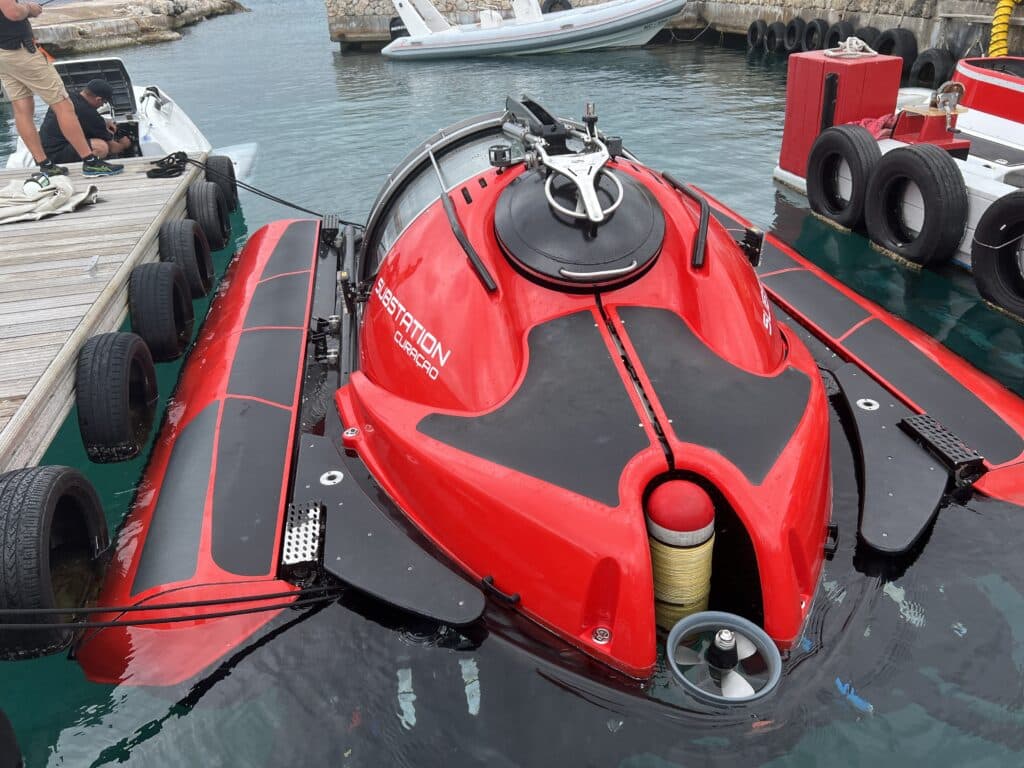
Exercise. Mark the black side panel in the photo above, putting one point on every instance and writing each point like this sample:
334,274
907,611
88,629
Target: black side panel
903,485
279,303
251,463
266,365
938,393
572,395
171,549
294,251
818,302
748,419
994,151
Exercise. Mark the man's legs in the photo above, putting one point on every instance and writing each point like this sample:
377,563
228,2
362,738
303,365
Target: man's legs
25,123
70,127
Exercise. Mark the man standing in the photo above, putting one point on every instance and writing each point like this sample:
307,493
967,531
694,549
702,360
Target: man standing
24,71
101,134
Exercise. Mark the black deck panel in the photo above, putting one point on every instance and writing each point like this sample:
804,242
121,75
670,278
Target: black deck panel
171,549
947,400
266,364
295,250
993,151
280,302
815,299
903,484
571,423
748,419
252,461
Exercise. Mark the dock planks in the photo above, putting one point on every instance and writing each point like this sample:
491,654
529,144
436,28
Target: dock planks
64,279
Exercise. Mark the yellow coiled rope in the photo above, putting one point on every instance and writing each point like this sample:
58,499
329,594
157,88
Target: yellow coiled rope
682,580
998,41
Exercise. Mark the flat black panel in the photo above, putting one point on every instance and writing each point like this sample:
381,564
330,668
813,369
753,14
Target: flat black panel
279,302
171,549
294,251
251,463
773,259
748,419
571,422
266,365
817,301
993,150
366,549
903,485
821,353
946,399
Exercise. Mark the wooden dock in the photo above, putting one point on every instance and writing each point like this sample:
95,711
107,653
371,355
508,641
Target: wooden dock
63,279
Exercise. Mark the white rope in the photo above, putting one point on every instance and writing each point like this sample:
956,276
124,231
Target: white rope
851,48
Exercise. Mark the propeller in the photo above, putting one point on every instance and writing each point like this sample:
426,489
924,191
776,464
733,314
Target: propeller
716,664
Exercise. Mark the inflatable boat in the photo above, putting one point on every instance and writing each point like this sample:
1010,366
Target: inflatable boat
544,378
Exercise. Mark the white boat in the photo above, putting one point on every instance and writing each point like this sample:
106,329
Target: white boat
157,124
615,24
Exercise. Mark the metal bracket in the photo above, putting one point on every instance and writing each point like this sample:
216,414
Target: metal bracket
964,463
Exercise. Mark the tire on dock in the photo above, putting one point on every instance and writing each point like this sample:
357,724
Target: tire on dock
997,253
115,395
54,533
837,33
932,68
899,42
943,195
160,305
794,39
205,203
814,35
756,32
221,171
868,34
843,146
775,38
182,242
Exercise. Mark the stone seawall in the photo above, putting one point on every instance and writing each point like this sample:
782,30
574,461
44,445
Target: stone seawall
85,27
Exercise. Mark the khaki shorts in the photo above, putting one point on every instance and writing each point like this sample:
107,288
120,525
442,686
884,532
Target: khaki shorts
23,73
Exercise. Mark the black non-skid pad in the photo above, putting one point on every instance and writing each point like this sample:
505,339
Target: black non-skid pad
294,250
171,549
934,390
266,365
279,303
828,309
252,460
571,423
993,151
748,419
366,549
903,484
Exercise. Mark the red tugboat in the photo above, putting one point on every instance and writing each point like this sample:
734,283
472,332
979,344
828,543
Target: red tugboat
544,376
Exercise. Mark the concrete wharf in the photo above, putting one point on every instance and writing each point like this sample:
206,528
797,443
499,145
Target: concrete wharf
63,279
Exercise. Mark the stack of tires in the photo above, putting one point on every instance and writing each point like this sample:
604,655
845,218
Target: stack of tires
913,202
52,525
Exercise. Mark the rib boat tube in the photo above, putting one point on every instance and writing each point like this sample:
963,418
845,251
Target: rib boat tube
541,367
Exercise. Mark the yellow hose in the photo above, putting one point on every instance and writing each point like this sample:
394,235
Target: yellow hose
997,44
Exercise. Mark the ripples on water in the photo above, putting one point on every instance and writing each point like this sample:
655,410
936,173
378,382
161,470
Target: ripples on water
897,666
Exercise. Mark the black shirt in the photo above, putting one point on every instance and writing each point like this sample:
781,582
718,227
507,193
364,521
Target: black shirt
93,126
14,33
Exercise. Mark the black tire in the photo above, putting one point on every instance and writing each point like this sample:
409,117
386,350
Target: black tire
814,35
205,203
898,42
868,34
932,68
182,242
775,38
795,35
997,254
115,394
837,33
854,145
160,304
755,33
221,171
52,531
552,6
941,185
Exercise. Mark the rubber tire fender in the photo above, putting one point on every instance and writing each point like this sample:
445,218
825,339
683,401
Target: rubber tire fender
756,32
775,38
115,396
221,171
837,33
182,242
855,145
898,42
936,175
205,203
160,305
814,35
552,6
868,34
44,511
794,35
997,252
932,68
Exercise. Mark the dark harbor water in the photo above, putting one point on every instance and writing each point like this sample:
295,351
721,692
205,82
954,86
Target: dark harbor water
921,662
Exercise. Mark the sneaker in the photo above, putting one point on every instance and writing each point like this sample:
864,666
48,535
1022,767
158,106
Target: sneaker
50,168
95,167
